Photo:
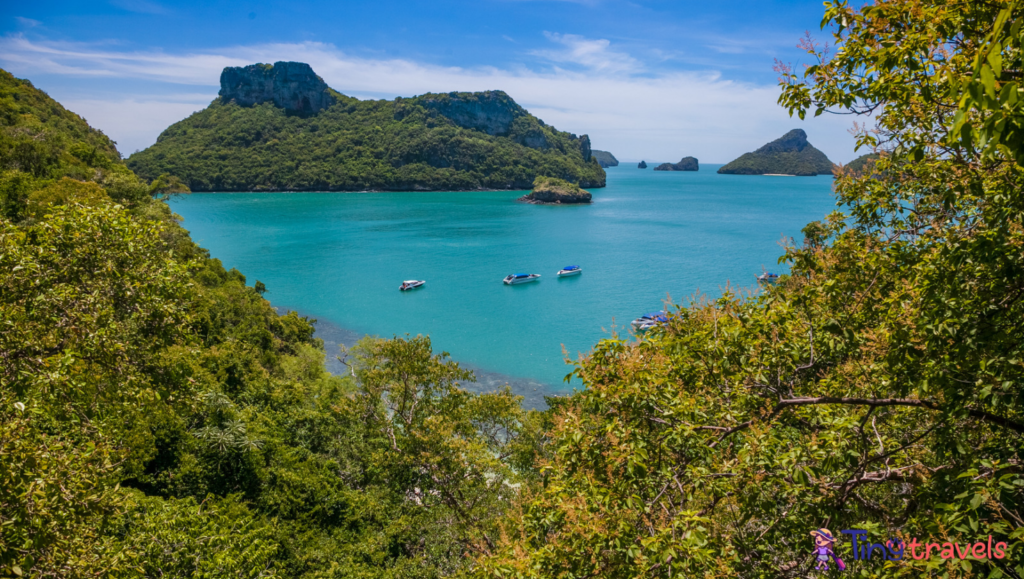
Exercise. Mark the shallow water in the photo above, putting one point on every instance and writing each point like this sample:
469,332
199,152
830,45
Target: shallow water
340,257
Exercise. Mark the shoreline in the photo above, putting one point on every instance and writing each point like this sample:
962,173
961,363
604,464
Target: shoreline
335,336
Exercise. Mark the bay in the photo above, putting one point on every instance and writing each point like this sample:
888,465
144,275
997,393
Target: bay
647,238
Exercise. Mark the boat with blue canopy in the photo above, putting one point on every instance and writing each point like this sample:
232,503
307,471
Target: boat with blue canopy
569,270
650,320
768,277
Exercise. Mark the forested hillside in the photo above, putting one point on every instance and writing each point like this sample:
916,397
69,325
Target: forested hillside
158,419
453,141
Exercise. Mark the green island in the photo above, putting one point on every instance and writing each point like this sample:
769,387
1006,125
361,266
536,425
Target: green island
159,419
790,154
552,191
604,158
280,128
684,164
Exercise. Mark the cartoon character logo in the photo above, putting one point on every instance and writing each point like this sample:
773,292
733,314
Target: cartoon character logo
823,543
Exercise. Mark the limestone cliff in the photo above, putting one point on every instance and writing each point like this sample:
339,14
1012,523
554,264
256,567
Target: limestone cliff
492,111
293,86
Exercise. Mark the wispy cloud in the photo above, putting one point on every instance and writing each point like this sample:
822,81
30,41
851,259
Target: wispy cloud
659,117
26,22
594,54
140,6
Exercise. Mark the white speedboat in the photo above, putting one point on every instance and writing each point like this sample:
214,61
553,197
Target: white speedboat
650,320
412,284
517,278
768,277
569,270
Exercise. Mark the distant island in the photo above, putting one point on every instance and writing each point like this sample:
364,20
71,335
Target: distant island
281,128
642,165
685,164
789,155
858,165
553,191
604,158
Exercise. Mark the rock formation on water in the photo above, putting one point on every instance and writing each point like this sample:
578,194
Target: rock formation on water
552,191
642,165
860,164
292,86
685,164
605,159
281,128
789,155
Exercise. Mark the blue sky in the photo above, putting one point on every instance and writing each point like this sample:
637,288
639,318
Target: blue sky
646,80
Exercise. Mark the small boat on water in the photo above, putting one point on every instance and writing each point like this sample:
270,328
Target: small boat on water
517,278
569,270
412,284
650,320
768,277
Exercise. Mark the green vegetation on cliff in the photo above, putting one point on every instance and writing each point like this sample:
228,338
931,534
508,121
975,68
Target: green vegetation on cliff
790,154
450,141
552,191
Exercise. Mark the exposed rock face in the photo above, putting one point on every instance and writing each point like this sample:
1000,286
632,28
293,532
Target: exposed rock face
686,164
642,165
492,112
292,86
789,155
551,191
585,148
605,159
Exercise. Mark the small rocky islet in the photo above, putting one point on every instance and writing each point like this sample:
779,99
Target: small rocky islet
554,191
685,164
642,165
605,159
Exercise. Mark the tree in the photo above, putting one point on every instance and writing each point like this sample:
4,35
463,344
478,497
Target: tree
879,386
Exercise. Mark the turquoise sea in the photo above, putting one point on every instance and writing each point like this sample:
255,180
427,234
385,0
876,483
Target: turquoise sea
648,237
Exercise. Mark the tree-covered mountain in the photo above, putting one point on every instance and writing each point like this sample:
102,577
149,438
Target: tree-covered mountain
858,165
790,154
280,128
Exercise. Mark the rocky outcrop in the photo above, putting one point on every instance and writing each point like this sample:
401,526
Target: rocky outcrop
552,191
642,165
292,86
686,164
492,112
791,154
584,142
605,159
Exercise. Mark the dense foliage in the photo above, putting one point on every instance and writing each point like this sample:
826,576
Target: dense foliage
879,386
159,419
406,144
790,154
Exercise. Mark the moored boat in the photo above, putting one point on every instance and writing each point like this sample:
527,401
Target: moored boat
412,284
649,320
517,278
569,270
768,277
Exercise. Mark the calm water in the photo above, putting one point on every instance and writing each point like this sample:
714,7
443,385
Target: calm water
340,257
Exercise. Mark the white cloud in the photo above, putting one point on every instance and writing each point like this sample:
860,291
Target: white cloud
654,117
594,54
26,22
